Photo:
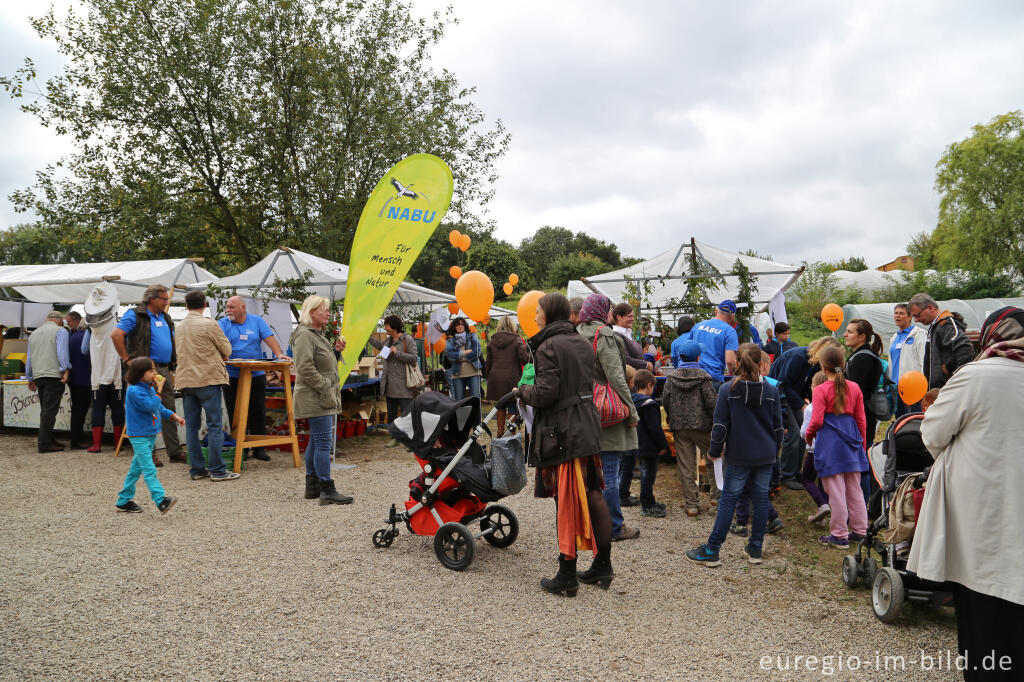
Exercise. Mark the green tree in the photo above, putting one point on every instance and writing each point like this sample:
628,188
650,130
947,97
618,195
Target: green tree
922,249
573,266
230,127
852,264
550,245
981,210
31,243
497,259
809,294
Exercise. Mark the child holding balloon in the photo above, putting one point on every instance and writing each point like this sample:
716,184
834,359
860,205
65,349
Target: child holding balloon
838,431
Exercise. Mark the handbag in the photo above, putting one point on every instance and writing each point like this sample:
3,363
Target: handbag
506,465
413,376
609,405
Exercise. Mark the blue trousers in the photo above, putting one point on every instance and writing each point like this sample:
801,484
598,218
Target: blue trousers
318,452
736,478
610,469
743,503
195,401
469,386
142,466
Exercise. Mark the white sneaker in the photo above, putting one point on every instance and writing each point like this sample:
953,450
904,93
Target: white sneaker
823,511
228,476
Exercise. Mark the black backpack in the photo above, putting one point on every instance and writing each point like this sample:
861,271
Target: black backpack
880,403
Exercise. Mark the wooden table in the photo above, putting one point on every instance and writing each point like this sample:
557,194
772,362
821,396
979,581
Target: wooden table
240,419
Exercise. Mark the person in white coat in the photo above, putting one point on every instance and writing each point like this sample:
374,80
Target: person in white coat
906,352
969,528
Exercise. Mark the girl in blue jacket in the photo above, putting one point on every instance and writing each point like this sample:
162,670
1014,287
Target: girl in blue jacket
748,429
143,416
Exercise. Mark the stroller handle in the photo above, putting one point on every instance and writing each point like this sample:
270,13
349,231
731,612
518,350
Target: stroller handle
504,400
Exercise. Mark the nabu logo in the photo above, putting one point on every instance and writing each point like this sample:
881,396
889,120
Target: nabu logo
413,215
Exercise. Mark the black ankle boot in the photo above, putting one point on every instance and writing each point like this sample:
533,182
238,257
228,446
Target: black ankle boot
600,572
312,486
564,583
330,495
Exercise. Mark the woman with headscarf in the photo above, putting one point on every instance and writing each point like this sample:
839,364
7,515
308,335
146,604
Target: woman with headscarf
506,356
564,446
618,440
968,531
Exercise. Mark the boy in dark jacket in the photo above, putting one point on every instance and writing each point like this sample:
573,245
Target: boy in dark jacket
689,399
651,441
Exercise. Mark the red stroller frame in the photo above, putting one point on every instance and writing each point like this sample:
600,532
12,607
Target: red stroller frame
443,504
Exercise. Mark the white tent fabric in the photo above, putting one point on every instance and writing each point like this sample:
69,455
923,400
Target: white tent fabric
35,313
328,280
974,311
869,281
666,270
72,282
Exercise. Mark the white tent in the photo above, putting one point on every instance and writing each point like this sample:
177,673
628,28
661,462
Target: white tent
72,282
669,271
974,311
328,279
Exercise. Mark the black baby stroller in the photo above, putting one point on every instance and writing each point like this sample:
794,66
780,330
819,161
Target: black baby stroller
900,465
459,479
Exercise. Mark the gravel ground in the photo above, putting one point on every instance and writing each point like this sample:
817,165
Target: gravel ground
248,580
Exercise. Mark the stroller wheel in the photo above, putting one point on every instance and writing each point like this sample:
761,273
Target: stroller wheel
383,538
870,570
504,522
851,576
454,546
887,595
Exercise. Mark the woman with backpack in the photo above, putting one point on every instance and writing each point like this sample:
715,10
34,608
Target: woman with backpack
865,368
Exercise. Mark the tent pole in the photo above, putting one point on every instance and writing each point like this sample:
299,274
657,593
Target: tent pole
21,329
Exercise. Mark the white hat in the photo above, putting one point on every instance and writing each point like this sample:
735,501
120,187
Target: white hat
101,305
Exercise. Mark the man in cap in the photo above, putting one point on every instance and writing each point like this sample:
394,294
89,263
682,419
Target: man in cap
718,338
47,368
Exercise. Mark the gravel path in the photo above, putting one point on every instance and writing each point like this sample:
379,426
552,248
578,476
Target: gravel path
248,580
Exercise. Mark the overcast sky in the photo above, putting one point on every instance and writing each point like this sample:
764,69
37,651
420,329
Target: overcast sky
808,131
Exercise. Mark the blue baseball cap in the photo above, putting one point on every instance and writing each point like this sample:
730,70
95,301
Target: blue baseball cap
690,350
727,306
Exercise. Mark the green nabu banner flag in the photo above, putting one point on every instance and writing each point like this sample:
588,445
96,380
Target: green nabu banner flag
402,212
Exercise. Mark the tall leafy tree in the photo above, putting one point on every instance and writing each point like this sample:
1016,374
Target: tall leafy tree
224,128
981,212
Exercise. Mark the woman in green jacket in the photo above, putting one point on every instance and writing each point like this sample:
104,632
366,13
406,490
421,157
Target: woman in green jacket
317,396
618,440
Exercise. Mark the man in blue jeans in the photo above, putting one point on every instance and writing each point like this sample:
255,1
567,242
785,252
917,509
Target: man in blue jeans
201,376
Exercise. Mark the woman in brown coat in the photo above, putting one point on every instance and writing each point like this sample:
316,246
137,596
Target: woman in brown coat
565,446
506,355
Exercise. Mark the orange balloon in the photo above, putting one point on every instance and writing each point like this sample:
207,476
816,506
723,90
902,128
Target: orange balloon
912,387
453,308
464,242
439,345
455,271
513,279
527,312
475,294
832,316
453,238
507,288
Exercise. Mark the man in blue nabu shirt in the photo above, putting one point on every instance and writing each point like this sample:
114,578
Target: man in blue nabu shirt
246,334
147,330
718,337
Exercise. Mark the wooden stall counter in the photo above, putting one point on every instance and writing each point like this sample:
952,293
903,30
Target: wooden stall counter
240,419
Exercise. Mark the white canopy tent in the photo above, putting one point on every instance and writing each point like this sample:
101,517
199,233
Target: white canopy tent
72,282
328,279
29,291
974,311
668,271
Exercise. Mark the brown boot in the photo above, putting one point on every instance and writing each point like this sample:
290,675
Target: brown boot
157,462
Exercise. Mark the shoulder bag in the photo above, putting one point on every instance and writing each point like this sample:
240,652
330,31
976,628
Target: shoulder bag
609,405
413,376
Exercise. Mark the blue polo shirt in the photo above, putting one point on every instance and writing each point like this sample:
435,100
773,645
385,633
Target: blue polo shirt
894,350
161,339
245,339
716,336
